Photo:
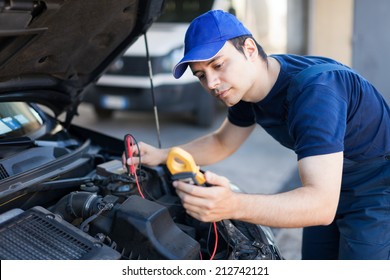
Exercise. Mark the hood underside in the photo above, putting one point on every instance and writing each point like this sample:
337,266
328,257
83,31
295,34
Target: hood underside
51,50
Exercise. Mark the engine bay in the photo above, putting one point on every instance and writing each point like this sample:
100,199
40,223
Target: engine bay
75,201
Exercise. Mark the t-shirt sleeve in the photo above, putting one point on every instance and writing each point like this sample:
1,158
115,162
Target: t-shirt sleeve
317,121
241,114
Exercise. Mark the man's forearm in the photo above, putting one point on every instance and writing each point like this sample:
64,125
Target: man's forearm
297,208
218,145
206,150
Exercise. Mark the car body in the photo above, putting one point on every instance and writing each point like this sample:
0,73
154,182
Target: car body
127,84
63,191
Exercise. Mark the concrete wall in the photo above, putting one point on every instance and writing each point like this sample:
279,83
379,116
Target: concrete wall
330,26
371,42
297,26
355,32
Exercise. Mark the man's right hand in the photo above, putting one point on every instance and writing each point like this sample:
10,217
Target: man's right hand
146,155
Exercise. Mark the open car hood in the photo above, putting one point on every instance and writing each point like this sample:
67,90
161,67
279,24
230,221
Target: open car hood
51,50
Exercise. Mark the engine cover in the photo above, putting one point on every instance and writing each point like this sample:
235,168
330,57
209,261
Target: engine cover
145,230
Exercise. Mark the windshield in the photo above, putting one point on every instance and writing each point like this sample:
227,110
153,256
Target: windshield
184,10
18,119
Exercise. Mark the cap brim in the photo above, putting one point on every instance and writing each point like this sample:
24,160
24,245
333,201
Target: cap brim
199,53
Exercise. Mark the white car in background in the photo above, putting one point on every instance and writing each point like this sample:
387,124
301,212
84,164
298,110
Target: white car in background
126,85
63,192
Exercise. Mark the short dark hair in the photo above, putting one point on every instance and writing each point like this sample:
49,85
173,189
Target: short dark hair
238,42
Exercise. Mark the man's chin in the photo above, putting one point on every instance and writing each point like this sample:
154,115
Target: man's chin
229,103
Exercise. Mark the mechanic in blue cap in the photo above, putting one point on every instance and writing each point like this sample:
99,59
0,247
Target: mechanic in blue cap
337,123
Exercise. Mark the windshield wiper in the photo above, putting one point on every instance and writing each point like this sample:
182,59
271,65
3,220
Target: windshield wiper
20,141
26,141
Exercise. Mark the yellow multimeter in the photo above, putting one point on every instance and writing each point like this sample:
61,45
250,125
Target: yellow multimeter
183,167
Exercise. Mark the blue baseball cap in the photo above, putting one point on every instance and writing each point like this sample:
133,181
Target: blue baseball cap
206,36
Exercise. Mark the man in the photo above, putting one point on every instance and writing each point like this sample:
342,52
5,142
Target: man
335,121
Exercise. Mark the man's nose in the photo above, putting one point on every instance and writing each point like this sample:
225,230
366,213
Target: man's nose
213,81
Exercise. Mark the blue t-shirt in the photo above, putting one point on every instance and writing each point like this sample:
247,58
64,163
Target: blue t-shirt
331,112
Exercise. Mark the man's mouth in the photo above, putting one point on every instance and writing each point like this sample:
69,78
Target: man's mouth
221,93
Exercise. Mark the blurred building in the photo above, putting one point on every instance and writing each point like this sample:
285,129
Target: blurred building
355,32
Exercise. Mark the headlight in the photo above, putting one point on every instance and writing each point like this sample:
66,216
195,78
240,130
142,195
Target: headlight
116,66
170,60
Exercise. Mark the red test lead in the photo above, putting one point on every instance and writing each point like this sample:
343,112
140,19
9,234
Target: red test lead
130,142
129,154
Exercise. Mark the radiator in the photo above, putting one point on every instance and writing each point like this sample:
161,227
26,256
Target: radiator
37,234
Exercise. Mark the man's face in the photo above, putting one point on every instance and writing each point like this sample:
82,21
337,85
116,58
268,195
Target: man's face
229,76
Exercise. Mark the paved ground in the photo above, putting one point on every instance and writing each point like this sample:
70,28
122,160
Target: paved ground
260,165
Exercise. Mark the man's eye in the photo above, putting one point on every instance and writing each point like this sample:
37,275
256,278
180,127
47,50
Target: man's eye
219,65
200,77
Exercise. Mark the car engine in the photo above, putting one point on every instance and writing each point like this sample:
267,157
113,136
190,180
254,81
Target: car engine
74,201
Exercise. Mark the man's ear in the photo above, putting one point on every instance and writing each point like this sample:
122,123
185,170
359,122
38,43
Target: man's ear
250,49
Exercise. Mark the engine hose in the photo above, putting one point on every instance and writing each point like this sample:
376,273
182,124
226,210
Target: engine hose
77,205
